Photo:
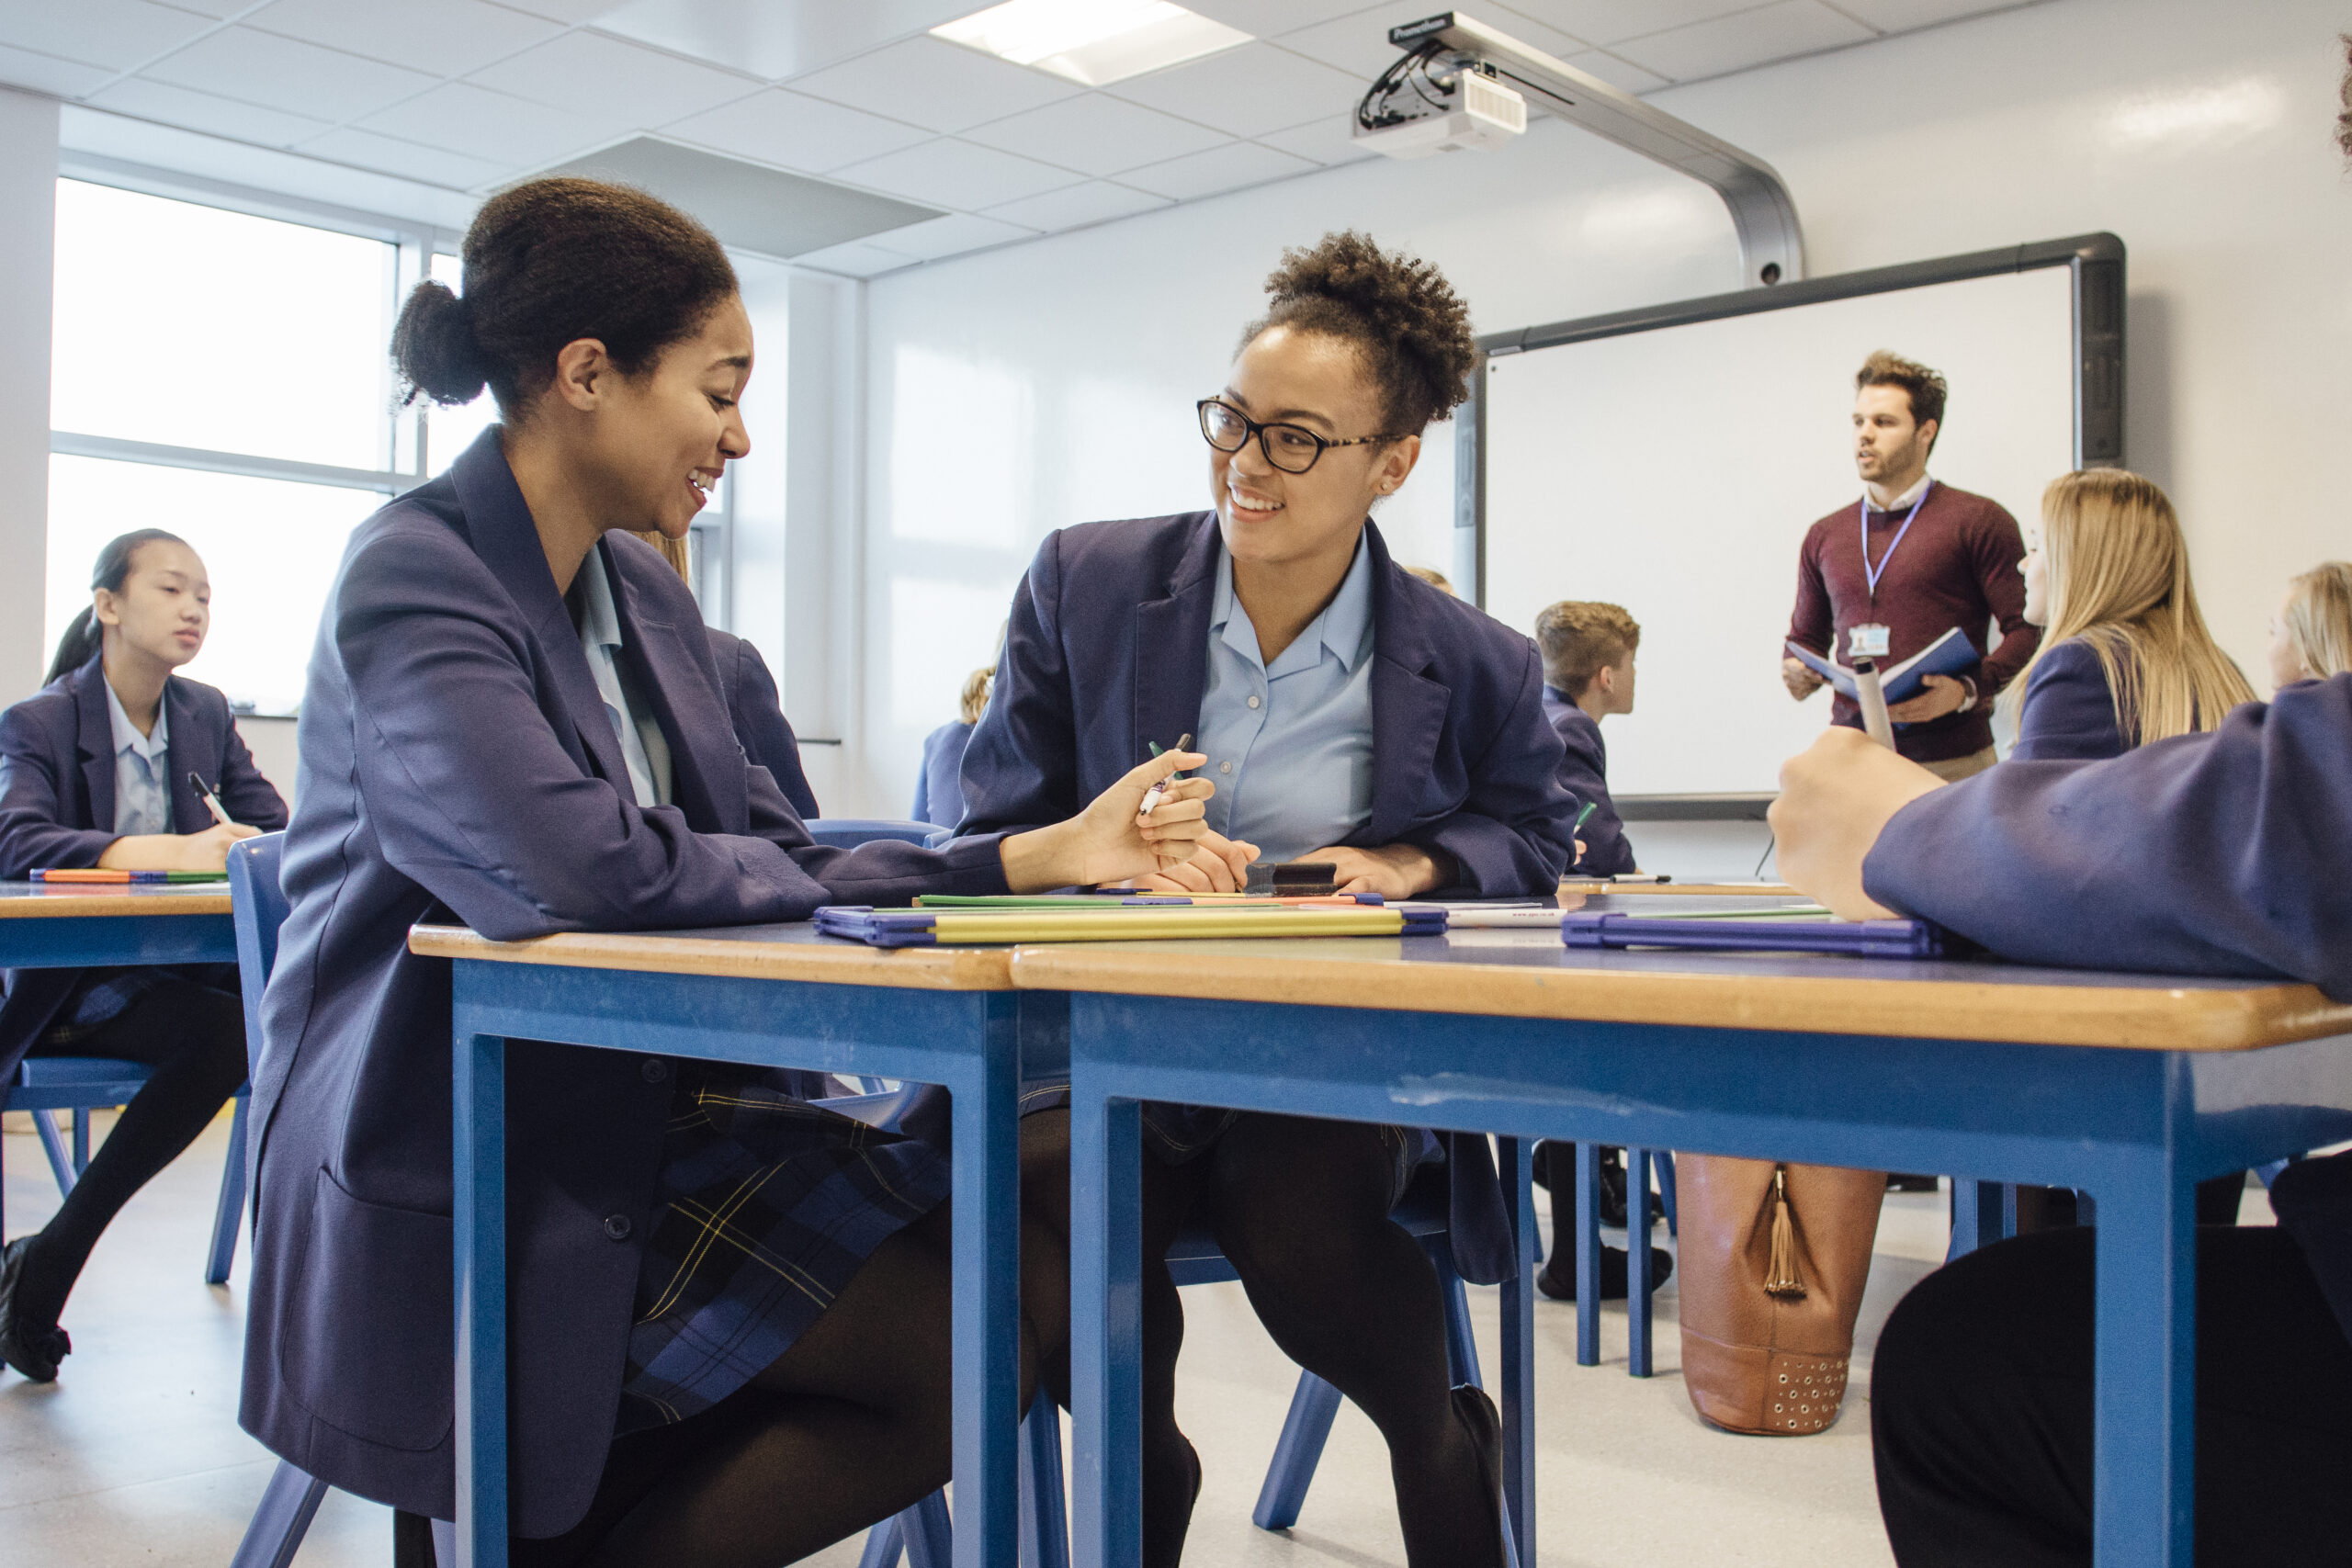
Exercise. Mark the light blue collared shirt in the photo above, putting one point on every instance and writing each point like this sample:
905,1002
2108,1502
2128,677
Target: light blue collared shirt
142,771
1290,745
642,744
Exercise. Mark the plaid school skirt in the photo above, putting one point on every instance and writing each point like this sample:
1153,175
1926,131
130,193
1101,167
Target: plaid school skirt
765,1206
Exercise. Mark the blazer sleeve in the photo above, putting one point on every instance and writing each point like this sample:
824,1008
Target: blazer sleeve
1584,775
2220,854
765,733
246,796
1020,766
2069,712
36,787
1510,838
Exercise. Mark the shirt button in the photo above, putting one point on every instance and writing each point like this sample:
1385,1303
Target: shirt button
655,1069
616,1227
1253,702
1225,767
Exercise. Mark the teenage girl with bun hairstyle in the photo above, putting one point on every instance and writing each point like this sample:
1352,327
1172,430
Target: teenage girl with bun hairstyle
1350,713
513,719
2311,637
94,771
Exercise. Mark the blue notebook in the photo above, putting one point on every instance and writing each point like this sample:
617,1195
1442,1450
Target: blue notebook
1948,654
1864,938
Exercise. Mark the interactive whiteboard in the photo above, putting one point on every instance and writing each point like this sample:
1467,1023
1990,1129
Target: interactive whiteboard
1670,461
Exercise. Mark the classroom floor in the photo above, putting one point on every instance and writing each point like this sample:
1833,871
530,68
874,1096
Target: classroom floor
134,1454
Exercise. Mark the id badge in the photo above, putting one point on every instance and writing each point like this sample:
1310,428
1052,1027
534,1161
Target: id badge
1867,641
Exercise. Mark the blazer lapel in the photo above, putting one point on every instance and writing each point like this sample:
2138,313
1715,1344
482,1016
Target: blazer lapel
93,738
195,748
1408,708
706,761
1172,647
499,521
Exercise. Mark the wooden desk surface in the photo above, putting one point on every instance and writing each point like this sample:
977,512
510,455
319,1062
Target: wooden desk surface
1530,974
1573,887
38,900
753,952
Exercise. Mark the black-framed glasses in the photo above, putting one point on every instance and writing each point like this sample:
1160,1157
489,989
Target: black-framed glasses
1293,448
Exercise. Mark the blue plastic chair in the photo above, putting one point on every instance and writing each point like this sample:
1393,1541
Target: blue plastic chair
925,1534
848,832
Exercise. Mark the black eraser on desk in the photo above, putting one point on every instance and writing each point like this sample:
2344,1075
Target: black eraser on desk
1293,879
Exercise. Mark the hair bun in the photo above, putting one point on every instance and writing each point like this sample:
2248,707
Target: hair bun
434,348
1399,310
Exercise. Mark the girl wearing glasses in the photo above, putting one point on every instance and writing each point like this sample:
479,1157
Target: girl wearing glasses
1351,714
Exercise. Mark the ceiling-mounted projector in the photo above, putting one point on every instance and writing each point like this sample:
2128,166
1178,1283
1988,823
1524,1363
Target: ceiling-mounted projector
1430,110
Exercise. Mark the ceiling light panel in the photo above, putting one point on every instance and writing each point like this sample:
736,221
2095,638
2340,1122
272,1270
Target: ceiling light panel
1092,42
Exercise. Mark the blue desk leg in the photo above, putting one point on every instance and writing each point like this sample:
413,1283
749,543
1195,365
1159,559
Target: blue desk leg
480,1205
1588,1254
1637,1262
986,1261
2145,1419
1518,1366
1106,1344
1981,1213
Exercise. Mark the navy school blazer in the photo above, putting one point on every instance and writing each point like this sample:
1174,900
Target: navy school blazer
758,719
1107,650
2068,714
1584,773
57,803
455,762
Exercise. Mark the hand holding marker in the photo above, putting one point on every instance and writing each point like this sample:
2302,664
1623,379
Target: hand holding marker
212,801
1151,796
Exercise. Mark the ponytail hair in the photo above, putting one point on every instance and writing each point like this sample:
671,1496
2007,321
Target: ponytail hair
84,636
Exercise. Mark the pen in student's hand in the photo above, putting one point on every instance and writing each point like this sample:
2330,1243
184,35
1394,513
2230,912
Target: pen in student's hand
1151,796
1589,807
220,814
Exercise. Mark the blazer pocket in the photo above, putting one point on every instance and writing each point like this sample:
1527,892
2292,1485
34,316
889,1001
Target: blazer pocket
371,1350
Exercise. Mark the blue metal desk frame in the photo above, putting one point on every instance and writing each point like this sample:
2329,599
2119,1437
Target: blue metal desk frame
970,1041
69,934
2136,1127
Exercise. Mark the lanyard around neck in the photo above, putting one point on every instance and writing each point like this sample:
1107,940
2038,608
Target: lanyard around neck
1871,574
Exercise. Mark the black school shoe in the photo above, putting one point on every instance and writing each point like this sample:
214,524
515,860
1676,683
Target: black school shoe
33,1352
1614,1275
1555,1169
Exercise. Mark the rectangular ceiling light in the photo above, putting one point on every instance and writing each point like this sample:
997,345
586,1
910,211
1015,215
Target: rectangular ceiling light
1092,42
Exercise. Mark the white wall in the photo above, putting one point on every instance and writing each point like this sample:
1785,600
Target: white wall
28,252
1051,382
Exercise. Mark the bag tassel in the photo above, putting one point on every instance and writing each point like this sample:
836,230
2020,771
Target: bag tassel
1781,1273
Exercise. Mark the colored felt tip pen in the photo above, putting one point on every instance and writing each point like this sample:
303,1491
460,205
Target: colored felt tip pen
211,801
1151,797
1589,807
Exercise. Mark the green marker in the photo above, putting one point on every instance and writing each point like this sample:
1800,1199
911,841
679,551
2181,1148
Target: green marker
1589,807
1151,796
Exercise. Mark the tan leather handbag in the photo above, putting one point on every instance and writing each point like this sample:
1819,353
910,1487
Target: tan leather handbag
1773,1260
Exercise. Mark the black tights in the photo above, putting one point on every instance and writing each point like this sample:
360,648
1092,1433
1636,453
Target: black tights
850,1426
1300,1208
194,1038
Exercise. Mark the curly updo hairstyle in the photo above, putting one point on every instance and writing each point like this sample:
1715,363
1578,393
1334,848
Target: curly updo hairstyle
1399,312
548,263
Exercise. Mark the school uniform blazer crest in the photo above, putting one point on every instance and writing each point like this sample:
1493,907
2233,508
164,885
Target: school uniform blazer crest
57,769
1107,650
458,762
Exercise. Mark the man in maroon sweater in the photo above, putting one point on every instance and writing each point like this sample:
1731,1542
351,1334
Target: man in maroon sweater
1918,559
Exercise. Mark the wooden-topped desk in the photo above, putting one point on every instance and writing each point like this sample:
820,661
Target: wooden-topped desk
85,925
2131,1087
768,996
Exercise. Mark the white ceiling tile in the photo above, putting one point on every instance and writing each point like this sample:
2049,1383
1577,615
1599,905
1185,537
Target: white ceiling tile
1097,135
1359,44
219,10
1621,74
441,38
1247,90
47,73
1902,16
1324,141
782,126
857,259
947,172
952,235
935,84
1735,43
644,85
118,33
778,40
1604,22
1264,19
564,10
479,123
390,155
1219,168
1074,206
286,73
203,111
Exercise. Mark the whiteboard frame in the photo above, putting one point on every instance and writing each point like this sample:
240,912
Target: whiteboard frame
2097,262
